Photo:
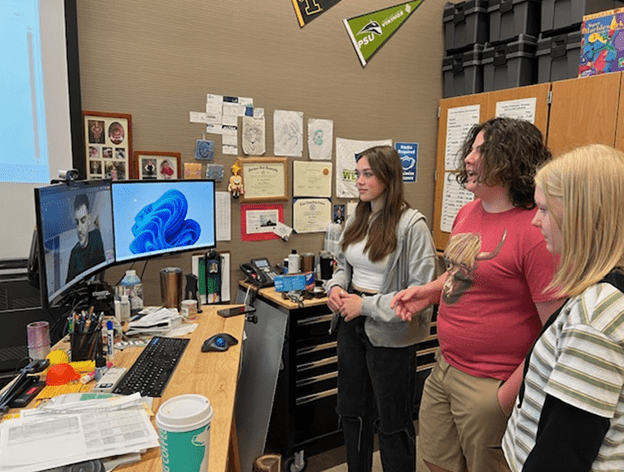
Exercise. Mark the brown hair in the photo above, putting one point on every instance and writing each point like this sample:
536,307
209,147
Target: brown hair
382,230
512,150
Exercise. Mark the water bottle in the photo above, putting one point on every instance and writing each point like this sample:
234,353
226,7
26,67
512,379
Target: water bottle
132,287
293,262
125,308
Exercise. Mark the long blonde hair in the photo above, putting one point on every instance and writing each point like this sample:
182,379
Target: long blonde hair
589,182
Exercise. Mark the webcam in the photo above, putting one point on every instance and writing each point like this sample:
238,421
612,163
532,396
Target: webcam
68,175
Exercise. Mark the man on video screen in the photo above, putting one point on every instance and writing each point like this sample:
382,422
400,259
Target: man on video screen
89,250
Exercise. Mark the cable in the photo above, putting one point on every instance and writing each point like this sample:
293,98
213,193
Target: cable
246,295
144,267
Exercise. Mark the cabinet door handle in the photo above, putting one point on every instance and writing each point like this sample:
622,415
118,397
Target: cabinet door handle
314,320
316,396
316,378
319,347
319,363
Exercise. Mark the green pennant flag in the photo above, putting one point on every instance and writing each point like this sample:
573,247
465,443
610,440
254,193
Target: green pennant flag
369,32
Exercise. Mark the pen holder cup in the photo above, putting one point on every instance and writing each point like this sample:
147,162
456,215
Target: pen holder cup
84,346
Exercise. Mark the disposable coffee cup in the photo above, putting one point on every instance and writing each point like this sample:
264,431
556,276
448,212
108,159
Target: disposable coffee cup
183,424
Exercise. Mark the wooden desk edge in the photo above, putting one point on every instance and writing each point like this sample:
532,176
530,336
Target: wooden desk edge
271,294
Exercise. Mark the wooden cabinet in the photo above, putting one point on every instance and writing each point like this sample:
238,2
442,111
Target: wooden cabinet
570,113
584,111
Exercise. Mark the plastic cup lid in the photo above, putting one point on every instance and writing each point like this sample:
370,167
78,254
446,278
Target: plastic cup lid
184,413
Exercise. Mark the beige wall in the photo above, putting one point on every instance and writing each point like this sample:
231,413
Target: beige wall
158,59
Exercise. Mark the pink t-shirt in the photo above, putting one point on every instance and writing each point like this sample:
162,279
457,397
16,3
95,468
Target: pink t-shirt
487,319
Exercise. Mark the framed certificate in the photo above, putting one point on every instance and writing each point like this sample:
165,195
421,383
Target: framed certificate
311,215
265,179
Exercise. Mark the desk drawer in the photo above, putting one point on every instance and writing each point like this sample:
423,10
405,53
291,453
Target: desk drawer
315,352
316,417
314,387
313,326
317,367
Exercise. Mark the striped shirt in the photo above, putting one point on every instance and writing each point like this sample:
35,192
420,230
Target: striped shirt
579,360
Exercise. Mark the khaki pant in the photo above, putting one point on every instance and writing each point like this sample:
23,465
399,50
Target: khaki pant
460,422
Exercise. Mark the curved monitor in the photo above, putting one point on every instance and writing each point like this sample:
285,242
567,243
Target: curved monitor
75,231
158,217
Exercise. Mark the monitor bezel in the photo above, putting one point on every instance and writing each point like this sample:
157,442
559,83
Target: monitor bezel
50,300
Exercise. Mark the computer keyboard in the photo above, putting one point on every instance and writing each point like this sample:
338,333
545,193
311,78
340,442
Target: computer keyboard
153,368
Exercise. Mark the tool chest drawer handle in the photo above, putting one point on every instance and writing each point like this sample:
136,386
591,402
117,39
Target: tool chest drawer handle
316,396
314,320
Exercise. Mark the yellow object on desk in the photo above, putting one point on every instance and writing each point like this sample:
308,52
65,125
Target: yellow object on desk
50,391
58,356
83,367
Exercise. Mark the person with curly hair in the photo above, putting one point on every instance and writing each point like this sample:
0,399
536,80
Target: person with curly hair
492,300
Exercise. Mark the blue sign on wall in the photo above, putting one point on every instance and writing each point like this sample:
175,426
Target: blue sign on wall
409,159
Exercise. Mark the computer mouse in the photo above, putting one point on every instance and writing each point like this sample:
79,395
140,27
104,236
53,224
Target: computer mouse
219,342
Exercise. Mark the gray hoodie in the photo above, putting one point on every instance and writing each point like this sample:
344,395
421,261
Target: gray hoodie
412,263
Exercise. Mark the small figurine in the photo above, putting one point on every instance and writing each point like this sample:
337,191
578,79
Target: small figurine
236,186
236,183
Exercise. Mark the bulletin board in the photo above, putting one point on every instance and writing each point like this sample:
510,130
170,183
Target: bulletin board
159,60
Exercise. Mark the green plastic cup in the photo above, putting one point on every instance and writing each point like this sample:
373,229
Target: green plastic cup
183,424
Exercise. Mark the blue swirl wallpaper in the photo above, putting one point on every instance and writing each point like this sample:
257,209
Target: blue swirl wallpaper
162,217
162,225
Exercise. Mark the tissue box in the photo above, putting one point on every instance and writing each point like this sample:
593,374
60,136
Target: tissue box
288,282
602,43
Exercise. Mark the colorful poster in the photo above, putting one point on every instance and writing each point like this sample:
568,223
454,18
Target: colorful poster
409,160
307,10
370,31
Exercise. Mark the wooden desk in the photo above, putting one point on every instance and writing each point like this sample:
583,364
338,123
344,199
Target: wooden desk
212,374
271,294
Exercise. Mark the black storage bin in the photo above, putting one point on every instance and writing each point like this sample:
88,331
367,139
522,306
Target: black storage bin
465,24
558,57
562,14
509,65
463,72
510,18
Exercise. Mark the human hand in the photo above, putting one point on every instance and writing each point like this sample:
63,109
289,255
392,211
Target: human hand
334,300
351,306
409,301
506,401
